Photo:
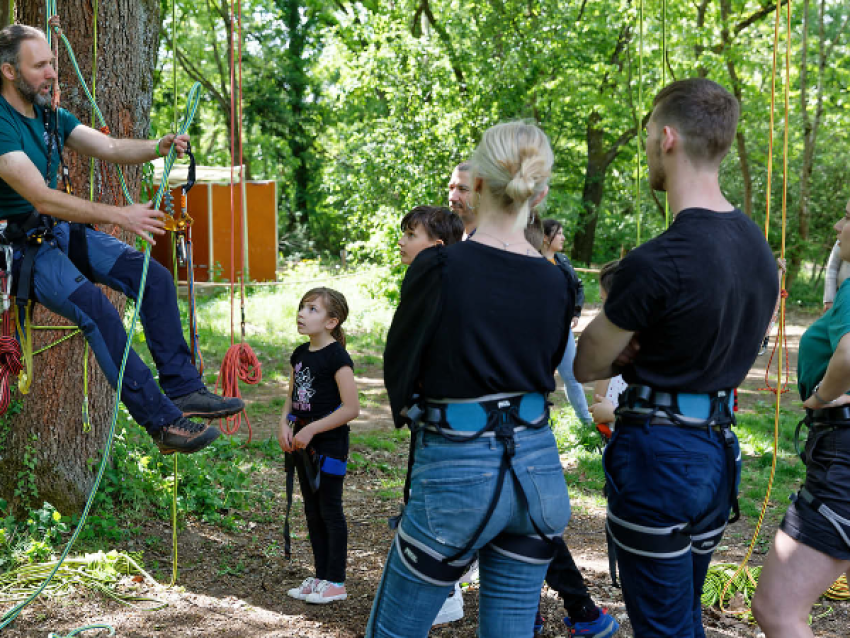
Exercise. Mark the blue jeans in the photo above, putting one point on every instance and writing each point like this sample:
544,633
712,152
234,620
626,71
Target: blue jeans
575,393
62,289
452,485
659,476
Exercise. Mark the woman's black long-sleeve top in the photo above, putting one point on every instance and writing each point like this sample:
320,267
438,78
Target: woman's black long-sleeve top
474,320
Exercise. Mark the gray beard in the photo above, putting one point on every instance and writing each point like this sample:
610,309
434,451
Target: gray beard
31,94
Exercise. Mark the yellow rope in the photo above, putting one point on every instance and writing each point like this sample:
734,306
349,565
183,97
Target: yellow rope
780,336
25,378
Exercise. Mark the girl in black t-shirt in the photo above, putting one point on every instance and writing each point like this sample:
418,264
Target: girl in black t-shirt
322,399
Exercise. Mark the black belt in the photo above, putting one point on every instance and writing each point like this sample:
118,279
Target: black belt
626,420
838,416
16,231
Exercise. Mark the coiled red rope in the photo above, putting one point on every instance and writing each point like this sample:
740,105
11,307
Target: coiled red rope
239,363
10,362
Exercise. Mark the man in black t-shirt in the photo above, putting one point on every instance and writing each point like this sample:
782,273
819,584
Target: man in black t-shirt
684,321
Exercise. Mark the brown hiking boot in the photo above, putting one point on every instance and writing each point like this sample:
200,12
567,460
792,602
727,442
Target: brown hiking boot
184,436
206,405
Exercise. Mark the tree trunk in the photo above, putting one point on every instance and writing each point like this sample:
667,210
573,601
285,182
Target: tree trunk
300,143
591,196
50,425
599,158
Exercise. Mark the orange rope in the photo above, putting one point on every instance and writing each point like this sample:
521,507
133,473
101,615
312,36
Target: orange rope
240,362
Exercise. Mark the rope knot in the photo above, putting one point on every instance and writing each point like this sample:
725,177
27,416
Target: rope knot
54,23
105,130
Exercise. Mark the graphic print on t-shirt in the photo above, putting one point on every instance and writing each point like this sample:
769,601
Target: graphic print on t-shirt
303,391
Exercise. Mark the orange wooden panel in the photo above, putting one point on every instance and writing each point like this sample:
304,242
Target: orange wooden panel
261,230
211,245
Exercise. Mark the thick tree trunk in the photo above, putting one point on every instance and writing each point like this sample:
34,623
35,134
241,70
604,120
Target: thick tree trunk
599,159
591,197
50,425
300,144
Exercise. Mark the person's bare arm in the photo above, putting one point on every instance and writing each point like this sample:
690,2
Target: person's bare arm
836,382
830,282
18,171
347,411
601,344
93,143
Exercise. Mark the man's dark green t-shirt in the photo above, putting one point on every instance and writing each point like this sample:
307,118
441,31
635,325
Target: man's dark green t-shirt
819,342
20,133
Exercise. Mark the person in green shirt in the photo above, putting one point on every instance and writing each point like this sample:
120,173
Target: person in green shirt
812,546
58,264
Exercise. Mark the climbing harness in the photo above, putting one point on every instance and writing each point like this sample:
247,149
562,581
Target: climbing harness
821,422
461,421
314,466
644,407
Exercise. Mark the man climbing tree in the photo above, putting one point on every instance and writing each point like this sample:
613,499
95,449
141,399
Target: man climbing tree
56,264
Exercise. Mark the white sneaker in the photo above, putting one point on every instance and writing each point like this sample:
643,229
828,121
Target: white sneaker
324,591
304,589
452,609
471,575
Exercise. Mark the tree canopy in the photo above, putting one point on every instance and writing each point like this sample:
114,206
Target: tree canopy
361,109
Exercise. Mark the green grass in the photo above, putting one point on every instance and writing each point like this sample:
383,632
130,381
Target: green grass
586,479
270,321
755,432
381,440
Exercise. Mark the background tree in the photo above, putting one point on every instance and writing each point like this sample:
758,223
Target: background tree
49,430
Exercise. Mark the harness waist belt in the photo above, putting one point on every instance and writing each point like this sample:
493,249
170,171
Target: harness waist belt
470,415
689,409
839,415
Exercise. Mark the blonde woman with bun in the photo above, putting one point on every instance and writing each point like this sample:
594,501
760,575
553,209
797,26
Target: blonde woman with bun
469,363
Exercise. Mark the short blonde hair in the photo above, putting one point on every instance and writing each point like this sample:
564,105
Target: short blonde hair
515,161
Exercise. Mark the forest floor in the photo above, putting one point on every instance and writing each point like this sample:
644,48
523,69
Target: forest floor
233,584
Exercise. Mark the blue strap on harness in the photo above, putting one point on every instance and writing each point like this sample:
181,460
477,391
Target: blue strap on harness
334,467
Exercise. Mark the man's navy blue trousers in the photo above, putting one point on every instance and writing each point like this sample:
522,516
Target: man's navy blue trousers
656,477
60,287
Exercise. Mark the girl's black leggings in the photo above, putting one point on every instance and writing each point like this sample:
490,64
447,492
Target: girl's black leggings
326,524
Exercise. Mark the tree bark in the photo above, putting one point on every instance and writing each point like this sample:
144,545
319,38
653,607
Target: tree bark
811,125
743,156
50,424
599,158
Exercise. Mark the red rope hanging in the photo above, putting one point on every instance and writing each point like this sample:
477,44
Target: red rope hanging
783,295
240,362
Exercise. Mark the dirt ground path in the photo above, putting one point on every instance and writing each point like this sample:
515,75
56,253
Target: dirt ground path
232,585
